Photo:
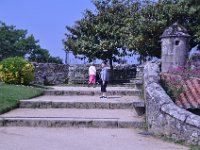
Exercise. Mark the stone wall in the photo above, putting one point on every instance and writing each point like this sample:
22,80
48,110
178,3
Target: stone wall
162,115
121,73
52,74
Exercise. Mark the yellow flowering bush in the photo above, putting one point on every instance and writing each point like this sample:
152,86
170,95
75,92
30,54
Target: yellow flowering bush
16,70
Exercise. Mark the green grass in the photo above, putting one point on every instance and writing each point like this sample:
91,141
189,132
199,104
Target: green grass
11,94
195,148
180,142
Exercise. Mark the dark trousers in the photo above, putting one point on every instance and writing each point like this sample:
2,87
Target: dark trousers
103,86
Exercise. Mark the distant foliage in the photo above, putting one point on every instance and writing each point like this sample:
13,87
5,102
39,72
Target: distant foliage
15,42
16,70
41,55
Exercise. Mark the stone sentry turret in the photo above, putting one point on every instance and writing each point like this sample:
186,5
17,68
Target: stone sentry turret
175,46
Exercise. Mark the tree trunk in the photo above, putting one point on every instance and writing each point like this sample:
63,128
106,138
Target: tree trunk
111,64
111,70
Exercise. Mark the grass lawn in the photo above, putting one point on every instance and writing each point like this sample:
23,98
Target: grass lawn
195,148
11,94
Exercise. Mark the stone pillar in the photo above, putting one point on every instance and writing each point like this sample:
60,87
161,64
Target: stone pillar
175,46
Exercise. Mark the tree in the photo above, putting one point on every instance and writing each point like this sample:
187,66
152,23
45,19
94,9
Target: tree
100,34
154,17
193,7
151,21
15,42
39,55
42,56
56,60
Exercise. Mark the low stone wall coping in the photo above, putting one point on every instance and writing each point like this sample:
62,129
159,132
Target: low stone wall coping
193,120
157,92
175,111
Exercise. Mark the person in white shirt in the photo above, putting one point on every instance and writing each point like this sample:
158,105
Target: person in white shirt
92,75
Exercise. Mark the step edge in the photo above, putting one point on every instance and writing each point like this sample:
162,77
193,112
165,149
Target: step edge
72,123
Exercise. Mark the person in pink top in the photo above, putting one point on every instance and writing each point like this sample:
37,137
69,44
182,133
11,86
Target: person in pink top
92,75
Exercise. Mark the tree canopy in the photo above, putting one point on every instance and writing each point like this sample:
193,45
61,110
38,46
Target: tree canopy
153,18
16,42
118,26
99,34
42,56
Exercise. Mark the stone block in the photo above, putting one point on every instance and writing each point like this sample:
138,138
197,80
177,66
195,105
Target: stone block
102,105
193,120
105,124
45,104
78,123
63,105
115,105
29,104
175,111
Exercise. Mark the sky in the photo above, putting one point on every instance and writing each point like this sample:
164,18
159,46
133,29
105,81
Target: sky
45,19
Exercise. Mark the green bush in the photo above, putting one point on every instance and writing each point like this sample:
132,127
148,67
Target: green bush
171,90
16,70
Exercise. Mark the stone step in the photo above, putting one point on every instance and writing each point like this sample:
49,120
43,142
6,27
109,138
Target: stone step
83,102
134,85
137,81
54,92
96,118
139,106
92,91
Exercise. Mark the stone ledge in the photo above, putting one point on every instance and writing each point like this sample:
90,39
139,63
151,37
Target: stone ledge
193,120
151,73
130,93
139,103
70,122
156,92
139,107
175,111
83,105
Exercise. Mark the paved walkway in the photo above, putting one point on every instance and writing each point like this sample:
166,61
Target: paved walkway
17,138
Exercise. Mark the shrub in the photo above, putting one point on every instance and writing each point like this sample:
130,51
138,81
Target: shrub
16,70
171,86
175,81
186,72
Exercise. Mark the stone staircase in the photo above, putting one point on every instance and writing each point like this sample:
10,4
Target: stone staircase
79,107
